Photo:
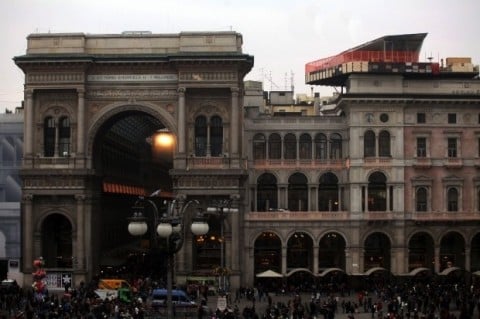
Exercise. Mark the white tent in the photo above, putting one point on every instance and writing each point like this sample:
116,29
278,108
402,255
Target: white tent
269,274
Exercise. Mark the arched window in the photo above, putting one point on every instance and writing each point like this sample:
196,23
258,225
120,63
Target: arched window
377,192
290,142
274,146
305,146
64,137
201,136
320,146
49,137
259,147
335,146
384,144
421,199
452,199
266,192
369,144
328,193
297,192
216,136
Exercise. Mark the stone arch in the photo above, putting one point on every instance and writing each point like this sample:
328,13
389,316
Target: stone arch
102,116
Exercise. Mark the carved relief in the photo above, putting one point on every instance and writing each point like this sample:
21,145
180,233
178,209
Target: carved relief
208,76
207,182
55,77
130,93
53,182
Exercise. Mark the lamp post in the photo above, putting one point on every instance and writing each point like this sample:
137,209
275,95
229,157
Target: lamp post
171,227
220,208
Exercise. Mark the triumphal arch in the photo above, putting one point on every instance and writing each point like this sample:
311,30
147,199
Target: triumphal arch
93,107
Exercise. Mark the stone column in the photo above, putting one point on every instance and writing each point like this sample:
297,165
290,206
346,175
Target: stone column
468,251
387,199
366,198
315,259
81,123
80,251
284,259
27,233
181,121
437,260
234,123
29,126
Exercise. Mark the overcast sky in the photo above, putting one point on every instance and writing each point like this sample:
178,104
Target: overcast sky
282,35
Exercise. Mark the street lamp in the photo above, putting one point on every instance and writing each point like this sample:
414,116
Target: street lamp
170,226
220,208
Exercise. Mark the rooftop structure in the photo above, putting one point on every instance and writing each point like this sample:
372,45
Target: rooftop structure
386,55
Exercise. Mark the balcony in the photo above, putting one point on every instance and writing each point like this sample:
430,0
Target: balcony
333,164
422,162
51,162
297,216
444,216
377,161
215,163
453,162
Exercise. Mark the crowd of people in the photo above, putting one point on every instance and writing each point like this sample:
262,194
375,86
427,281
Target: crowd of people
409,300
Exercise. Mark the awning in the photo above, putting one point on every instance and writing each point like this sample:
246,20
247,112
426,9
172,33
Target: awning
269,274
375,269
448,271
418,270
327,271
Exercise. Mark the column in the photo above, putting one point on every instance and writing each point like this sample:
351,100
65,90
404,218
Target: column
437,260
234,132
365,198
27,233
340,194
81,123
315,258
181,120
80,251
387,204
468,251
28,126
284,260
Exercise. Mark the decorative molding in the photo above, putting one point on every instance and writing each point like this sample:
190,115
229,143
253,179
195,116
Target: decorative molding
129,93
211,182
132,78
53,182
208,76
55,77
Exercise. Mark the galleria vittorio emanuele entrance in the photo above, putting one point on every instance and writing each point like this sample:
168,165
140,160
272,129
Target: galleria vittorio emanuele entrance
94,108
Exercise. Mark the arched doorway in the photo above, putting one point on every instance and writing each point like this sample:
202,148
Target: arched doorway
421,252
57,241
129,161
268,257
452,251
331,252
377,252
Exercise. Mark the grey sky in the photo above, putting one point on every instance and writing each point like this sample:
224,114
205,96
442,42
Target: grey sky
282,35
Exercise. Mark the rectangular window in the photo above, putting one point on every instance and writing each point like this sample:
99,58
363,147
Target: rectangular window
421,147
421,118
452,118
452,147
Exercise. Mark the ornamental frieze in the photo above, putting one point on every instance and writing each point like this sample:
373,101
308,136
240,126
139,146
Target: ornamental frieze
128,93
56,182
205,182
60,77
208,76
